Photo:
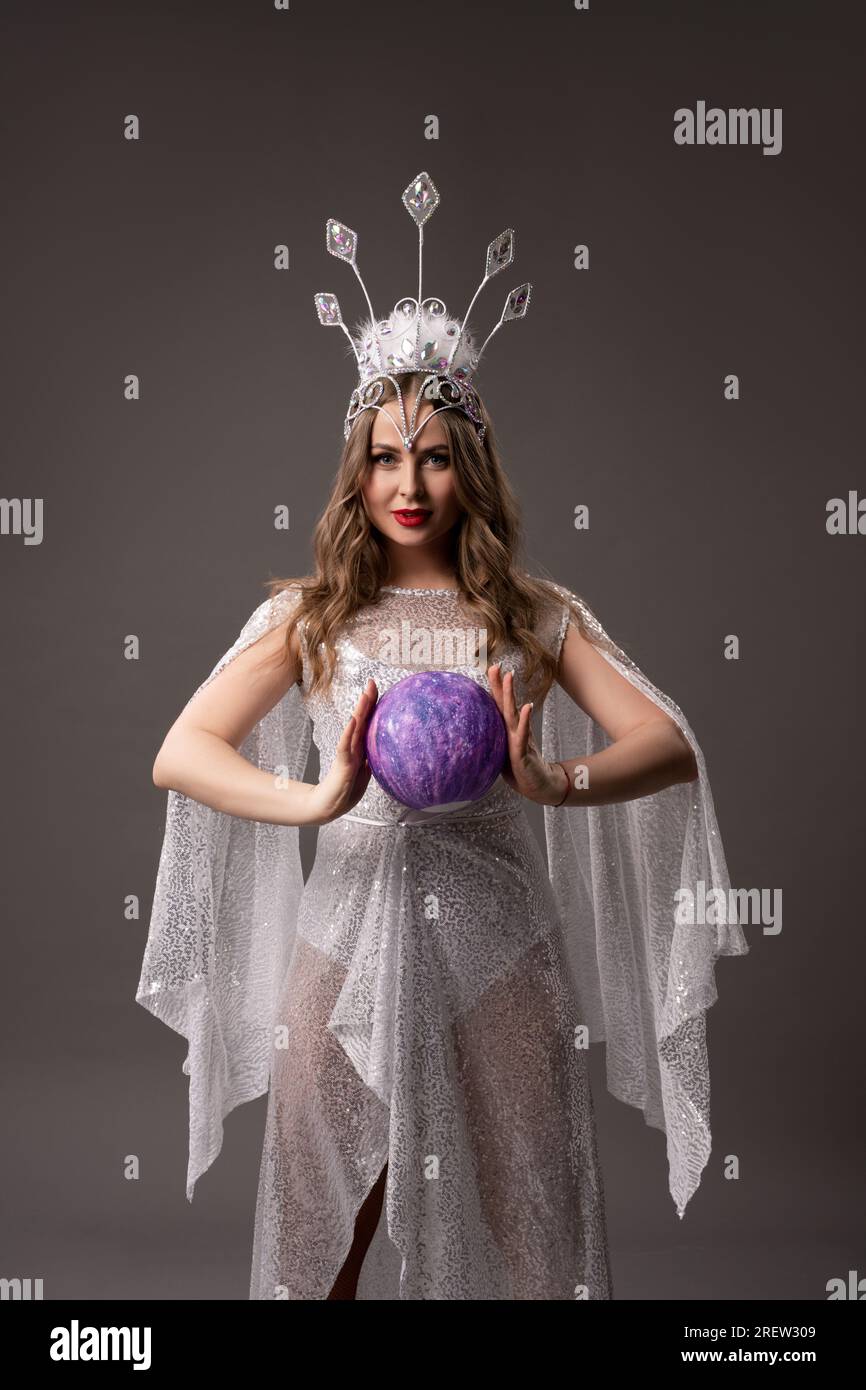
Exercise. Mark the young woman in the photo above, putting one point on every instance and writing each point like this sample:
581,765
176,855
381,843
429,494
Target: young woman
420,1009
427,1038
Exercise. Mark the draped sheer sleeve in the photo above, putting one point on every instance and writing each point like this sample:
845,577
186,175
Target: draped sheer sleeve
642,889
223,920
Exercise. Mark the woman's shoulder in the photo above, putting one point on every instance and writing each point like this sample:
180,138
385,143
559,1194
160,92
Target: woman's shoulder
555,610
273,611
286,596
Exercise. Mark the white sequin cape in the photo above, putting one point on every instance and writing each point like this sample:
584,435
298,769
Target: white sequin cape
228,893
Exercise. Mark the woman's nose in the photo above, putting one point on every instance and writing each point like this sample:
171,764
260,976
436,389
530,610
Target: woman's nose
410,480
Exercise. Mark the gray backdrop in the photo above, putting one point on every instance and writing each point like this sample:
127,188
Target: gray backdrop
707,518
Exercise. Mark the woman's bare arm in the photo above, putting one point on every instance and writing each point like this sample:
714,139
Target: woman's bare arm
199,754
649,751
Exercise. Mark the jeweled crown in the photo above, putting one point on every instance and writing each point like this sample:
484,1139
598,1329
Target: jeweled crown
419,335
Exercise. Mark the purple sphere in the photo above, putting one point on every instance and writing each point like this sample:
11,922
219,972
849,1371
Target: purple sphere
435,738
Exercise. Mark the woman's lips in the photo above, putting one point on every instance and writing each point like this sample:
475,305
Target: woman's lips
412,518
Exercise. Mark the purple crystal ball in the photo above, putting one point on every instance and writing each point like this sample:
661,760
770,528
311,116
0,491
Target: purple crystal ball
434,738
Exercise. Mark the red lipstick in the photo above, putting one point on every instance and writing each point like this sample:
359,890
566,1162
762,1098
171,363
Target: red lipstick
412,516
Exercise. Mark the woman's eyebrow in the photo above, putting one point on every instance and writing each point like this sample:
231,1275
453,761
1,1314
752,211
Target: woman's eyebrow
431,448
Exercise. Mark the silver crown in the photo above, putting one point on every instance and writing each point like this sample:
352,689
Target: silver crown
419,334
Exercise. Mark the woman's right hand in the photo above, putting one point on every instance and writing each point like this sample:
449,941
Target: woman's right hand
347,777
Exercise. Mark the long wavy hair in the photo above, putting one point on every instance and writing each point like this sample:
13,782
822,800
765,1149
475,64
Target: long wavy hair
351,562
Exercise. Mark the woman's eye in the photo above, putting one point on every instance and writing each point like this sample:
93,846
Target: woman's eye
389,458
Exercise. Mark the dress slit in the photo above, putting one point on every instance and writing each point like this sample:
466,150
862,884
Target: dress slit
354,1222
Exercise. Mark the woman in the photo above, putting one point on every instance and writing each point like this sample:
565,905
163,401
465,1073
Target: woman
490,1094
420,1010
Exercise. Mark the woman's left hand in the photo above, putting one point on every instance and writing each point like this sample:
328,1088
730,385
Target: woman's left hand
528,772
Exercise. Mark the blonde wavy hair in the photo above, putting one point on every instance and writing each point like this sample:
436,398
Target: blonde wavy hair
351,563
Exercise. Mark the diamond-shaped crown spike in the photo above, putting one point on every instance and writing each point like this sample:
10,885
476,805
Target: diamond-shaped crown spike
341,241
516,306
419,335
421,198
500,253
517,303
328,308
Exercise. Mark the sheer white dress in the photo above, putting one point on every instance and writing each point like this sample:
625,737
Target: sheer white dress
427,997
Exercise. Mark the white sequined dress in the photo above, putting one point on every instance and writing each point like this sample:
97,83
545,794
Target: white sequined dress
425,999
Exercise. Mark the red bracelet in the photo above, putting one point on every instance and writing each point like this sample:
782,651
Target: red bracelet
567,784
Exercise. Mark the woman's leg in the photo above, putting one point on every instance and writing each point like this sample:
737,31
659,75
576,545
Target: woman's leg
346,1284
326,1132
530,1120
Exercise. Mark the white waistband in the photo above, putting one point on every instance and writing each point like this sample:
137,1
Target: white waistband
412,819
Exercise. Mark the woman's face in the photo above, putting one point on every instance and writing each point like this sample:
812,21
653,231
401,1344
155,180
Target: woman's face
420,479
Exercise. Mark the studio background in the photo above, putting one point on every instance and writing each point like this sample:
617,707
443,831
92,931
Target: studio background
708,517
